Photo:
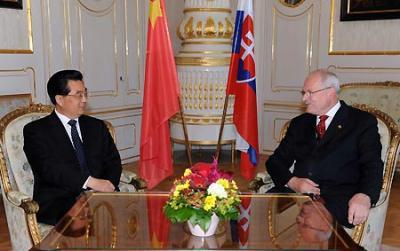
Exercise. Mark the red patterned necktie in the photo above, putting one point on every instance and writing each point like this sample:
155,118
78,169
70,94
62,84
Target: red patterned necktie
321,126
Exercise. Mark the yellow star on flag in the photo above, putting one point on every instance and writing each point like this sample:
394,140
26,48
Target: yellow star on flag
155,11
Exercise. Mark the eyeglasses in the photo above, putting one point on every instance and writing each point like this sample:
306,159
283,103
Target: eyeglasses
312,92
79,94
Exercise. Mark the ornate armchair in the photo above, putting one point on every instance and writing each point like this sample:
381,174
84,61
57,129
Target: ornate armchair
17,178
368,234
384,96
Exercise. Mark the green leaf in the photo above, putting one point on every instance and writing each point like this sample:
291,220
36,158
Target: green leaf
178,215
201,218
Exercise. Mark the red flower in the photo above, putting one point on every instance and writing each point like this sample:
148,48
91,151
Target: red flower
202,169
198,181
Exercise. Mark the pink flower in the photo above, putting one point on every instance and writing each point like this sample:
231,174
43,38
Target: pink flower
210,172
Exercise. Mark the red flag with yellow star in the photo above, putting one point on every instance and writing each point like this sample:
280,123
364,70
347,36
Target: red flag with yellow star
160,99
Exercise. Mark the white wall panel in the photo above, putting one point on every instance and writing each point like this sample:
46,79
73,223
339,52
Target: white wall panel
273,120
291,49
98,50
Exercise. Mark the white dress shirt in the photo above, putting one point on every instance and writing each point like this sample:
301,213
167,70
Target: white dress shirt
331,113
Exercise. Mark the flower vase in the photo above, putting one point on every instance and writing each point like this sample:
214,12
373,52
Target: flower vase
197,231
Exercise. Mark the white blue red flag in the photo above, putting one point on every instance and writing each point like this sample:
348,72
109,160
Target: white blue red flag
242,84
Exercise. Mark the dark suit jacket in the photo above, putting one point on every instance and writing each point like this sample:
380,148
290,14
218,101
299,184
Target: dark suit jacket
57,174
346,161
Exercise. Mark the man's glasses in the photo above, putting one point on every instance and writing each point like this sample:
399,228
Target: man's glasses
312,92
79,94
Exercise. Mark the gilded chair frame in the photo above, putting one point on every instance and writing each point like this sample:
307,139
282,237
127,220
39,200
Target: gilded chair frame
391,157
370,85
29,206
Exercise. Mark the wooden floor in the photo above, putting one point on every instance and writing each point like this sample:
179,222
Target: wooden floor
390,234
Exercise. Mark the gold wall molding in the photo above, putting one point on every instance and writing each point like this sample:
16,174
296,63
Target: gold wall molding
291,113
28,50
332,51
354,69
86,7
300,2
138,49
114,110
283,104
33,87
307,14
134,142
130,157
102,93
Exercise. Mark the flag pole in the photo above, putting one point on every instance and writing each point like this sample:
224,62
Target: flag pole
221,129
185,133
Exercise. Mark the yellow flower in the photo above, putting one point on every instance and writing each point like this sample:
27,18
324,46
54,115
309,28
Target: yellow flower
181,187
187,172
209,202
186,185
223,182
234,185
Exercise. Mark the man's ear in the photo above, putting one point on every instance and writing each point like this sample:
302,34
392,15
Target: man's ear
59,100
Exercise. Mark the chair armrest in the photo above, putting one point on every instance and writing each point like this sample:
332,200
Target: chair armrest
382,198
133,179
262,179
127,176
255,184
17,198
23,201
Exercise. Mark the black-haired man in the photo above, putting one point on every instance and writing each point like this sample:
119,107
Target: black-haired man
69,151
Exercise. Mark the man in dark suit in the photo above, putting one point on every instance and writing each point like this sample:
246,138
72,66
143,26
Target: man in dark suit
336,150
68,151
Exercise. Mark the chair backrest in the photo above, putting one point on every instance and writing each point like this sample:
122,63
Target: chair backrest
16,172
384,96
390,138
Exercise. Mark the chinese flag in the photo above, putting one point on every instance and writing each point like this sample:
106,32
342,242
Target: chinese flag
160,101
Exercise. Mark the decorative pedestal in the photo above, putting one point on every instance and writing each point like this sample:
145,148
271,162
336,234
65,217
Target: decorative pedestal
203,64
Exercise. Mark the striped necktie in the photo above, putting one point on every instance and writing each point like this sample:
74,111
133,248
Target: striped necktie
321,126
78,145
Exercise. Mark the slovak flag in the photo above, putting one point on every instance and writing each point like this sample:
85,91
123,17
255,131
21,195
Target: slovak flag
242,84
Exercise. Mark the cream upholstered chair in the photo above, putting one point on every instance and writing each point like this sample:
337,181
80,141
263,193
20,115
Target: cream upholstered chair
17,178
384,96
368,234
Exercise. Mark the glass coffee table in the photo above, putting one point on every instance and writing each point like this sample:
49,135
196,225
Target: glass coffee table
135,221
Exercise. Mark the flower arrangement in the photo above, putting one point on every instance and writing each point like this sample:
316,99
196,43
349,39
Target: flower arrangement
202,191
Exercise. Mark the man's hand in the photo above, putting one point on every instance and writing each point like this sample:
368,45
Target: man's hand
359,206
100,185
303,185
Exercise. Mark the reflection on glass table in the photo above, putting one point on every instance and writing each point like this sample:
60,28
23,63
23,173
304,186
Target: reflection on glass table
135,221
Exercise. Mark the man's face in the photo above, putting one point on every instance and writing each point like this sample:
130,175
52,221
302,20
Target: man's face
73,105
318,98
